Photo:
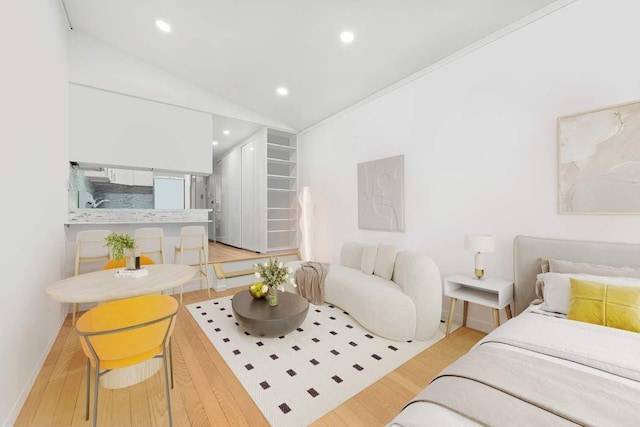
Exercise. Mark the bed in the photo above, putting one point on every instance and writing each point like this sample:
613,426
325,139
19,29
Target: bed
541,368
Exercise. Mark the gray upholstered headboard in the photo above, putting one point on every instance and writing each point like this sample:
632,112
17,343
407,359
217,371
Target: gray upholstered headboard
527,252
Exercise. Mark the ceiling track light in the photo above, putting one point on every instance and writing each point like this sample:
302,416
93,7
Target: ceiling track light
282,91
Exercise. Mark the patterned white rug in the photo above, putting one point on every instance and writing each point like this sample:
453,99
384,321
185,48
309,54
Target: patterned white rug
297,378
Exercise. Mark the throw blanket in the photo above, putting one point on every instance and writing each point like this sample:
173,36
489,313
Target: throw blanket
310,280
587,375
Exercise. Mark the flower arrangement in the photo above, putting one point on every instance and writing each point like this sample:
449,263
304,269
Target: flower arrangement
119,243
273,274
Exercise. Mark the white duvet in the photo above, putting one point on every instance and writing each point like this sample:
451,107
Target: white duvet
609,353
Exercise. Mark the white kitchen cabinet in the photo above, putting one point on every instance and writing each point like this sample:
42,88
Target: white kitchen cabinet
143,178
121,176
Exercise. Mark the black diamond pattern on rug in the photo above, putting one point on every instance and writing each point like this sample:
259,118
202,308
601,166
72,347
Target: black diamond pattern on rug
284,373
284,408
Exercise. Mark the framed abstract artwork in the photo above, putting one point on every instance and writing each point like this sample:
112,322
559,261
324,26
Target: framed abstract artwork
381,194
599,161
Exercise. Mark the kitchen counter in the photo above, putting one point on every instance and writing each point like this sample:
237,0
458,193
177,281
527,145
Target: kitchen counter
137,216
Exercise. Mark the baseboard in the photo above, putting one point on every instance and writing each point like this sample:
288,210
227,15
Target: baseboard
15,410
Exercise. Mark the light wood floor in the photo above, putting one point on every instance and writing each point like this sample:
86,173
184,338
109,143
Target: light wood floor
219,252
206,392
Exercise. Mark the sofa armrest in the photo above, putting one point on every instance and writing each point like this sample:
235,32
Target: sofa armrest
419,277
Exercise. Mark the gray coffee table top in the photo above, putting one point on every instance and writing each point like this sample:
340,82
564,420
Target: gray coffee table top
257,317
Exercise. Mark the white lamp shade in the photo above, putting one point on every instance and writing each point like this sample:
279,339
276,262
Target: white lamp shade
479,242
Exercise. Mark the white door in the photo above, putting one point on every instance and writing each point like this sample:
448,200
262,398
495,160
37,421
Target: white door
231,200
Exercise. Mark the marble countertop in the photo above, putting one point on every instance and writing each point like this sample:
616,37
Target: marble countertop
137,216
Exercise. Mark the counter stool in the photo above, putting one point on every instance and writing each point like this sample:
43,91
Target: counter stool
194,239
90,247
150,242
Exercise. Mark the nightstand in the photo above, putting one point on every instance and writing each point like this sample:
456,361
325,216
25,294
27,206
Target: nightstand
490,292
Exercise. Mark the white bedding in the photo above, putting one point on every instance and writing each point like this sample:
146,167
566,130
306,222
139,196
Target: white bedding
607,353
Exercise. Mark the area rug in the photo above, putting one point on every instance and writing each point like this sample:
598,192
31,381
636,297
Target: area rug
297,378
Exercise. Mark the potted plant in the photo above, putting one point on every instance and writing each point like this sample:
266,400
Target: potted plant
273,274
122,245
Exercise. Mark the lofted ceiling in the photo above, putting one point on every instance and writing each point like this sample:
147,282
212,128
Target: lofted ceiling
244,50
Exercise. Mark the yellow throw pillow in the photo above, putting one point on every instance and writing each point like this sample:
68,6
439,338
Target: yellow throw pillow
602,304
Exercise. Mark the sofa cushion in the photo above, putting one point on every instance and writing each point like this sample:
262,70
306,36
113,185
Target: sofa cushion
385,259
351,255
368,262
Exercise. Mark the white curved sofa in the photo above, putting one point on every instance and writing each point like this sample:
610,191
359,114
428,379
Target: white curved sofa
397,295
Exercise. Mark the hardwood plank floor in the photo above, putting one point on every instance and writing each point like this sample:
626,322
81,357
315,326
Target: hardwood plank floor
219,252
206,392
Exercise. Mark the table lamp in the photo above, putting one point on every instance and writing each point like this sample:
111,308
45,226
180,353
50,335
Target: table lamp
479,243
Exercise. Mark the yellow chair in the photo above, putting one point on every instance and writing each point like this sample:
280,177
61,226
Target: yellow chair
193,238
144,260
124,333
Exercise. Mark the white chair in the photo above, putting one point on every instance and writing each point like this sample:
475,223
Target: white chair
194,239
91,247
150,242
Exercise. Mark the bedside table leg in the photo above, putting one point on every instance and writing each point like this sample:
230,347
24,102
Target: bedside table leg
464,313
507,310
452,308
496,317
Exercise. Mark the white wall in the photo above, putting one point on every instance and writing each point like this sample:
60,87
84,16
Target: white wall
33,187
111,129
479,139
96,64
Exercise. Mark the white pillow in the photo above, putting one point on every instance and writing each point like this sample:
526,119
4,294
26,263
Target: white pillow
557,288
368,262
351,255
385,260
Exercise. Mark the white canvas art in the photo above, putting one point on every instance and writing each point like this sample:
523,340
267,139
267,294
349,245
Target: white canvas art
599,161
381,194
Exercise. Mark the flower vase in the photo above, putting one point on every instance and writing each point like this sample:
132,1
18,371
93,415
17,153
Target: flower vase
273,296
130,260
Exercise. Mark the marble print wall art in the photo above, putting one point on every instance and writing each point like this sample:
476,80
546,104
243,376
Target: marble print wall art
381,194
599,161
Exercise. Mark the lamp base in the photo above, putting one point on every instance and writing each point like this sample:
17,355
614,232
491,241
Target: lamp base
479,273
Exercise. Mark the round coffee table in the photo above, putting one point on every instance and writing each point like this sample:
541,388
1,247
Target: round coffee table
258,318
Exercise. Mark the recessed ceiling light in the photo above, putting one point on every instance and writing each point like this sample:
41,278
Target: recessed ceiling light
226,131
347,36
282,91
163,26
214,142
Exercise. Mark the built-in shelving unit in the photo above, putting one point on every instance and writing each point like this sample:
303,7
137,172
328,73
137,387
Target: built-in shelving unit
282,211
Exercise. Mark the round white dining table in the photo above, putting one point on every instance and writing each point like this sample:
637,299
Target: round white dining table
103,285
